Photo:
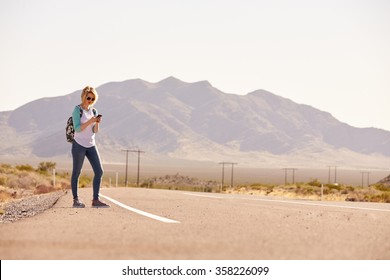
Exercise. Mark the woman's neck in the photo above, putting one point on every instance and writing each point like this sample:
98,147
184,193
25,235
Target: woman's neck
85,107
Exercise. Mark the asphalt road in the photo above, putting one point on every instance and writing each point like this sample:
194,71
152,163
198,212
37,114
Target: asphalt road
162,224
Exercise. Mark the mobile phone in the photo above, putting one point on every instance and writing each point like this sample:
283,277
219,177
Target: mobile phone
99,116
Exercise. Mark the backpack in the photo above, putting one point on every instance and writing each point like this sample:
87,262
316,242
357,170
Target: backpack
70,128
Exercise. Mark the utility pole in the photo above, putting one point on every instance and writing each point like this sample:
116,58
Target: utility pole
285,174
368,178
231,181
223,173
335,174
139,156
127,162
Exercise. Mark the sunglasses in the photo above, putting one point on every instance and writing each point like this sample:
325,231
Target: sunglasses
90,98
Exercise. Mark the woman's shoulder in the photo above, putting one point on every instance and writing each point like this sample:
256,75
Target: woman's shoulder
77,108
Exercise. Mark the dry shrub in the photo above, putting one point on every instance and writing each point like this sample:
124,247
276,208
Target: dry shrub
43,189
382,188
3,180
5,168
314,183
383,197
4,196
26,180
7,194
305,190
25,167
64,185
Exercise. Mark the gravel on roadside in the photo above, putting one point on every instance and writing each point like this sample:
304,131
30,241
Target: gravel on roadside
28,207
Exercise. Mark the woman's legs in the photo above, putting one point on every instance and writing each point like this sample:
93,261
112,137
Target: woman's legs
94,158
78,154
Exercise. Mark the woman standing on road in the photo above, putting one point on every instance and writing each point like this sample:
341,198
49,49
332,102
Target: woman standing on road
86,125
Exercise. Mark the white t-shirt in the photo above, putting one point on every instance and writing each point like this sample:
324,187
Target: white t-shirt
86,137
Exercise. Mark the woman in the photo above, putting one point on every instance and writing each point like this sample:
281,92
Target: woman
86,124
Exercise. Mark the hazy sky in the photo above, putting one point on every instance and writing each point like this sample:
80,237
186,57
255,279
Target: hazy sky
333,55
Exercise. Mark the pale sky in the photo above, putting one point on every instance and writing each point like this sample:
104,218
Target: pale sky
333,55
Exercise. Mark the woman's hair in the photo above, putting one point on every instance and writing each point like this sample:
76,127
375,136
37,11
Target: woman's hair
88,90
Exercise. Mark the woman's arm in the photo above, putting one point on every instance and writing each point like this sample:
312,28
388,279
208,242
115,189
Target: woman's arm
96,126
76,120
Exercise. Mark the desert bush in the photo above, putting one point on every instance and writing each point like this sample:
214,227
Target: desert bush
7,193
266,188
64,185
334,187
26,180
4,196
5,168
383,197
314,183
344,191
84,181
3,180
41,189
305,190
25,167
326,190
382,188
147,184
44,167
260,187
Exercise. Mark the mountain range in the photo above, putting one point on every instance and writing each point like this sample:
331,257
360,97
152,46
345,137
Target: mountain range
197,122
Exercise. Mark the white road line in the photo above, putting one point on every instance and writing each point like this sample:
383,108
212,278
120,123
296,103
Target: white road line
293,202
143,213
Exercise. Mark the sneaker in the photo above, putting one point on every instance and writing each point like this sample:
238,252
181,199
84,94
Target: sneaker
78,204
96,203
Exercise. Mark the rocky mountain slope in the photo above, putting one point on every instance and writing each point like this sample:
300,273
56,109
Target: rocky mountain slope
195,121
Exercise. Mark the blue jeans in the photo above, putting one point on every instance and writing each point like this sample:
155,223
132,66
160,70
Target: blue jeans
79,153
